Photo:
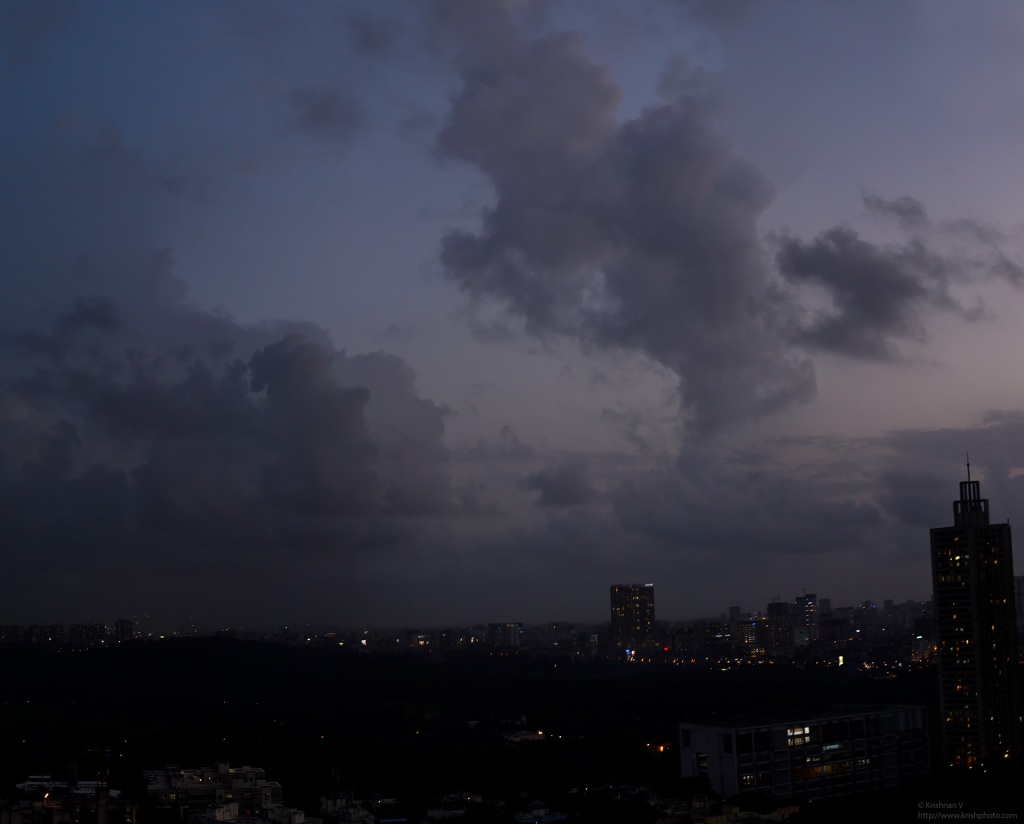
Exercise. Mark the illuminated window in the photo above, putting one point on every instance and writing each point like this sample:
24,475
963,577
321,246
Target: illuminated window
798,736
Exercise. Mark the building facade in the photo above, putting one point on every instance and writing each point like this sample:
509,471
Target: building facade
1018,598
972,576
839,752
632,607
508,635
236,792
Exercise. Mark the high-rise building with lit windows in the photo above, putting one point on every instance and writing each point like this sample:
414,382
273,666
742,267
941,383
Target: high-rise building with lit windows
632,615
972,575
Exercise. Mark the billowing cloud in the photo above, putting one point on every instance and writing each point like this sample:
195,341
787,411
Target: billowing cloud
139,433
741,514
879,294
639,235
158,453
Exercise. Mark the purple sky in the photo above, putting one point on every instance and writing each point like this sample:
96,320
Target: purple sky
459,311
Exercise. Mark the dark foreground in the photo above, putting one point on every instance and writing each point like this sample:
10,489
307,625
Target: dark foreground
419,727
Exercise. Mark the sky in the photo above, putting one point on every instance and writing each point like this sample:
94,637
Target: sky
398,313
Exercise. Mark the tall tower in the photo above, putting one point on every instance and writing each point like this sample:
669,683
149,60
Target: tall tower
632,615
972,576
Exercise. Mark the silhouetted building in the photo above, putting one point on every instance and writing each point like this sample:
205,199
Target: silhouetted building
198,791
1018,598
41,800
46,634
87,633
972,575
807,607
775,638
123,630
632,615
837,752
509,634
12,634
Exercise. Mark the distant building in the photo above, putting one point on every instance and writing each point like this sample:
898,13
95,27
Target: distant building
632,608
12,634
807,609
735,616
775,638
34,634
46,634
123,630
87,634
223,792
834,753
972,575
507,635
42,800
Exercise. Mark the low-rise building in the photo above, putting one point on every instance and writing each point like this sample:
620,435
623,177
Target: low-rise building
206,790
838,752
42,800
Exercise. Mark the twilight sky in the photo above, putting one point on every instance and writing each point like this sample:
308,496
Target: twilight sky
456,311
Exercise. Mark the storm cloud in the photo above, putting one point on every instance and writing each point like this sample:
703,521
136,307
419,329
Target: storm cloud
639,235
639,324
140,432
567,484
881,293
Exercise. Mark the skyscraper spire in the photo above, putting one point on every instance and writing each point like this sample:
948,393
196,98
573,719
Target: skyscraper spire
972,576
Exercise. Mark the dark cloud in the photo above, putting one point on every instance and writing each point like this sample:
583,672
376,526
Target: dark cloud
876,293
567,484
745,513
909,212
915,498
99,314
324,112
640,235
407,431
281,429
140,435
630,424
316,429
880,294
507,445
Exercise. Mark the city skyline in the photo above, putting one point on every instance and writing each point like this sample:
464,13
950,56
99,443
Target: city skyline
462,310
726,614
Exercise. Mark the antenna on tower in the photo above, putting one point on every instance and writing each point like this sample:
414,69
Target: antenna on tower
968,466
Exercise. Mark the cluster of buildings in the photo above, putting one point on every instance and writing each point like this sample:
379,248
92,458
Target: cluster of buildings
42,800
220,794
852,749
85,635
970,629
807,628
